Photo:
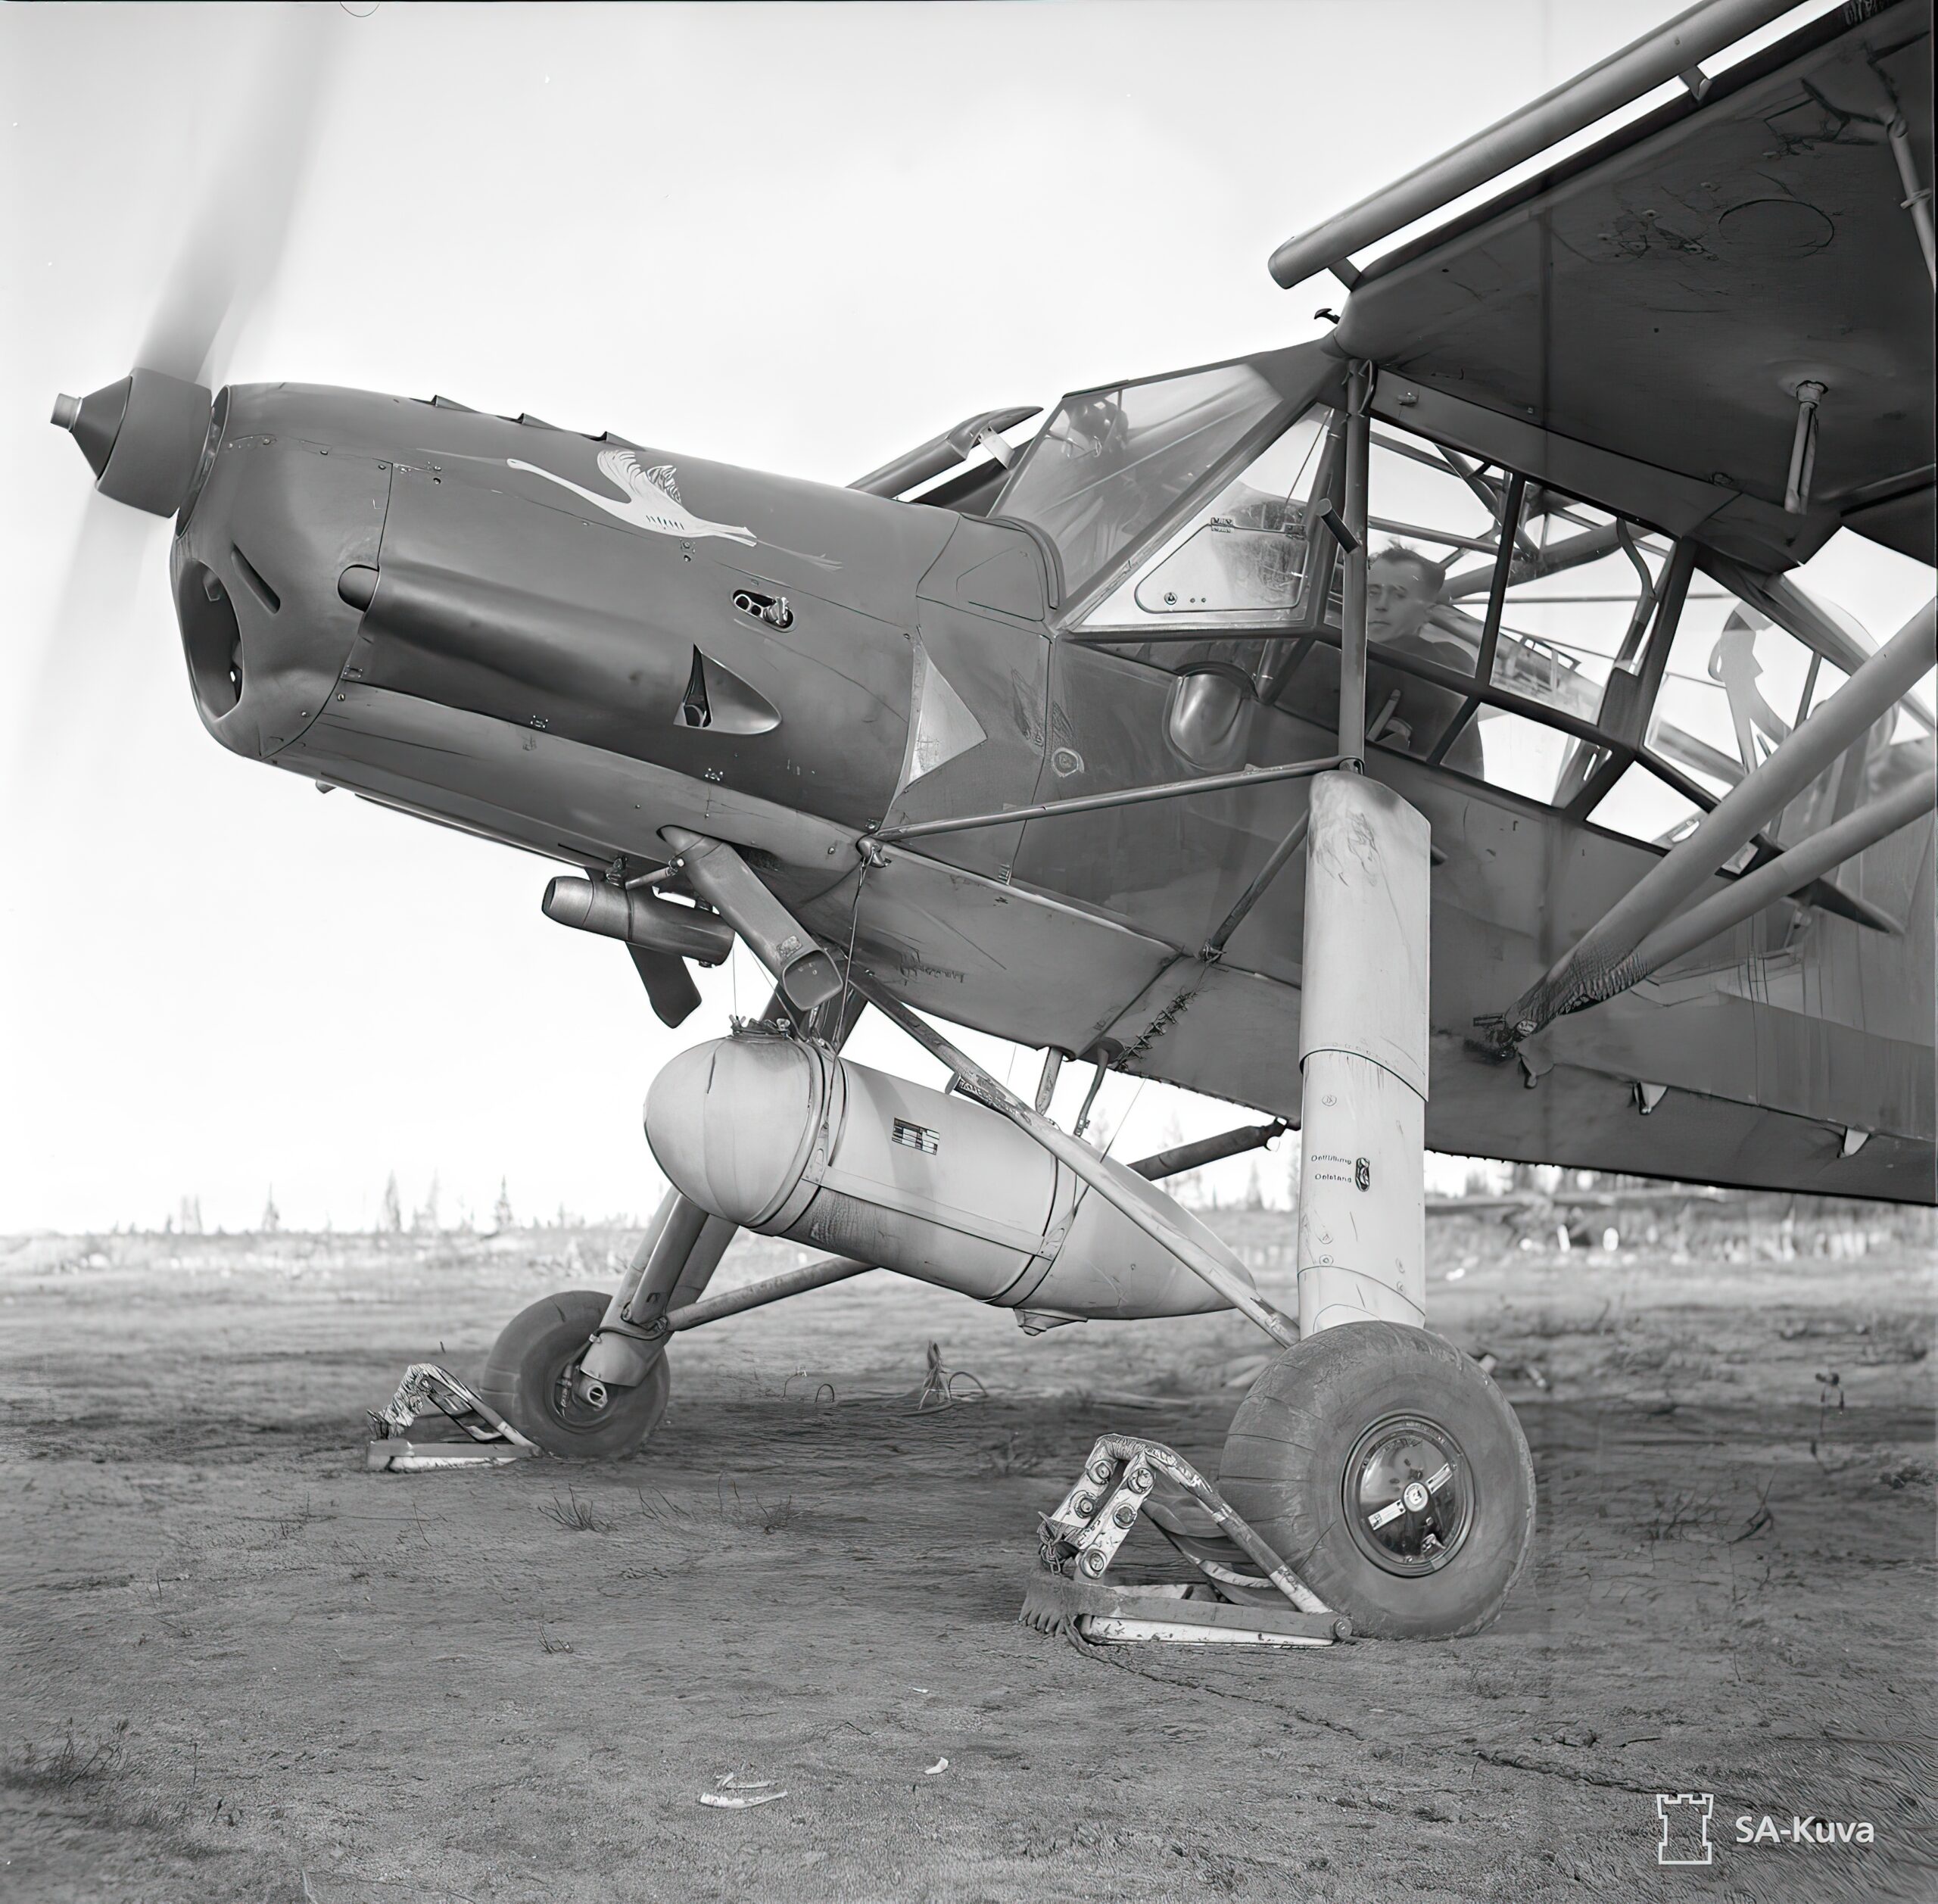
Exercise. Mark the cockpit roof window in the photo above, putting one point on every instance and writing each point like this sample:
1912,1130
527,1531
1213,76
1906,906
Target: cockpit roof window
1111,462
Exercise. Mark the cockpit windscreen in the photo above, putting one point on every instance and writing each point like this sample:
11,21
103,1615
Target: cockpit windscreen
1111,462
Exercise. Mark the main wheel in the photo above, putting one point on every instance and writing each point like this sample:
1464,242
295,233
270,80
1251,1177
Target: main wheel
1387,1471
530,1375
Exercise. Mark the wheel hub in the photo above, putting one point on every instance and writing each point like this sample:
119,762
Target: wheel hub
1409,1495
579,1398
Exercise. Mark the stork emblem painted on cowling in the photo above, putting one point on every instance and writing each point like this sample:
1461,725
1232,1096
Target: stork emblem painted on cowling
652,498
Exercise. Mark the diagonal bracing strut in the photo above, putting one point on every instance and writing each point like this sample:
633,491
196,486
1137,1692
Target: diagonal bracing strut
1083,1162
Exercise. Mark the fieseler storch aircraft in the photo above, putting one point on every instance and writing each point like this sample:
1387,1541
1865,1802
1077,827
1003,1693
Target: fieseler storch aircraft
1415,735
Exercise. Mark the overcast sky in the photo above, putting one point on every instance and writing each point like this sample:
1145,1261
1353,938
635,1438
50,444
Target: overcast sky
801,238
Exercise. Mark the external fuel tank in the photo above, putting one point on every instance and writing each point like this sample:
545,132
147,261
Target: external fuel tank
785,1139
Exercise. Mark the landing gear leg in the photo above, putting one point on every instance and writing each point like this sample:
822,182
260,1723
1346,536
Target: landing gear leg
673,1263
532,1379
1379,1460
1362,1054
584,1375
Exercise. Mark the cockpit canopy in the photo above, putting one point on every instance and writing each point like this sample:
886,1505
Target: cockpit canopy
1521,636
1112,464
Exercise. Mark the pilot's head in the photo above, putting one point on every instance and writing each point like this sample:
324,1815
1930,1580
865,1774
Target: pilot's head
1096,427
1402,587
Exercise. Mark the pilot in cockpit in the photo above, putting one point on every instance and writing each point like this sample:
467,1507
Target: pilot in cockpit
1096,427
1403,588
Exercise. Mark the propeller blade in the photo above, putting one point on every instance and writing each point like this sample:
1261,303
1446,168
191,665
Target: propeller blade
77,690
231,250
228,257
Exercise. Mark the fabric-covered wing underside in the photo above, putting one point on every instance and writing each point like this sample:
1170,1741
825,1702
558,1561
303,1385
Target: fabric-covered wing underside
1662,296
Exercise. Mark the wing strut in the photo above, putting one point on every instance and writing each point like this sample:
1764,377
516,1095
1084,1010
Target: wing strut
1788,872
1597,966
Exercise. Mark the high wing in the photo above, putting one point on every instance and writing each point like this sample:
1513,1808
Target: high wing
1656,301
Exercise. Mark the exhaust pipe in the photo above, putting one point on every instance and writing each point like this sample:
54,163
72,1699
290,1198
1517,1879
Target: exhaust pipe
639,919
806,975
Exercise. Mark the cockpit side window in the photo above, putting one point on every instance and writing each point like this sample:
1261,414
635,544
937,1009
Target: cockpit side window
1581,592
1247,557
1111,463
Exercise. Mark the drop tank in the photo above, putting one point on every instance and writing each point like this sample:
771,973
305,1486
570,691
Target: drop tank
785,1139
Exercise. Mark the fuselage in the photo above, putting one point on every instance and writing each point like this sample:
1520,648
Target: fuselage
572,644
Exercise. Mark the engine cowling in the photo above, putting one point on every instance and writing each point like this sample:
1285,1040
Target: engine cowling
783,1137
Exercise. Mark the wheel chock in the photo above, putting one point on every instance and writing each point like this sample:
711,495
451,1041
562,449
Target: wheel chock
1191,1615
491,1441
1076,1543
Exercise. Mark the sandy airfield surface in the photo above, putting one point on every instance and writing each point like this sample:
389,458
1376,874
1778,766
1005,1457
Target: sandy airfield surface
238,1666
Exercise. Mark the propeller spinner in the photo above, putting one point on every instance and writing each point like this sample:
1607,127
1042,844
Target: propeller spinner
143,437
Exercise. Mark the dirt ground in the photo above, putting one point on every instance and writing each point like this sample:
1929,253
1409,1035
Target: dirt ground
238,1666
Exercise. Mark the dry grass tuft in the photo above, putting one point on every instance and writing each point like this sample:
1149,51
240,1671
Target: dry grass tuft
1681,1516
70,1764
729,1508
575,1516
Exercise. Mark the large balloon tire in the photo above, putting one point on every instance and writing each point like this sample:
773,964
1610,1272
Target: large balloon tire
1362,1417
528,1375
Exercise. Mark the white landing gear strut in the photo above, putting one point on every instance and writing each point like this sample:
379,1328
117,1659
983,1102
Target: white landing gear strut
1363,1049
